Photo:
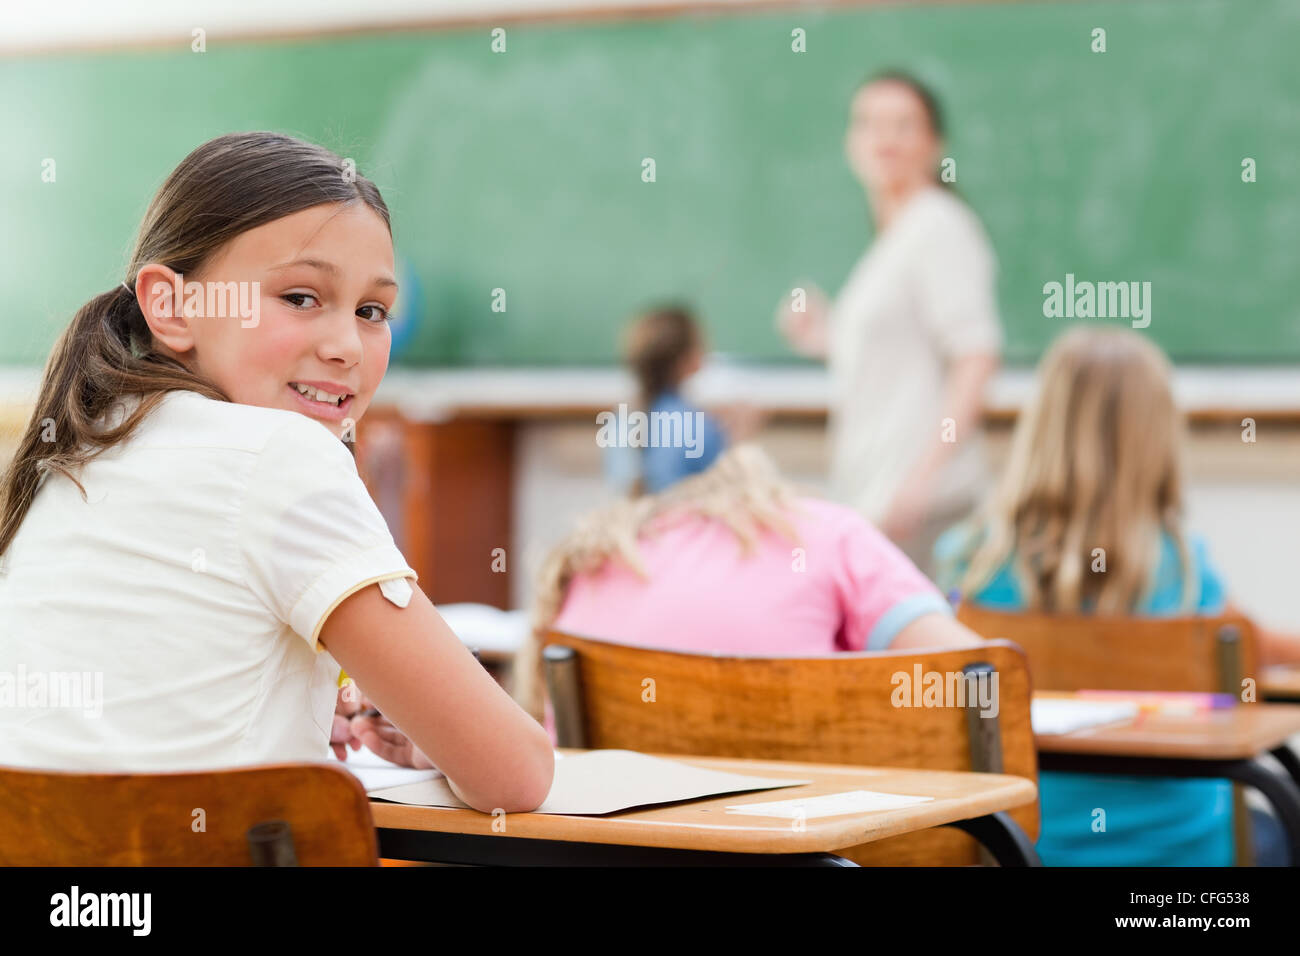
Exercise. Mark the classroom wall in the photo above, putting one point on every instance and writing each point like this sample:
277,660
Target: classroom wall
66,23
1249,512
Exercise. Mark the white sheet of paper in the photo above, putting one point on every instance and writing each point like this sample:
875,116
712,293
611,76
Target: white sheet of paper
831,805
606,781
1052,715
376,773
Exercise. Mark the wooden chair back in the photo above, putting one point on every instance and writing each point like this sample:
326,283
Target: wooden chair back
852,708
1070,652
278,815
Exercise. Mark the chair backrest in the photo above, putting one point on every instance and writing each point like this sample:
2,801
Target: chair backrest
59,818
1082,652
852,708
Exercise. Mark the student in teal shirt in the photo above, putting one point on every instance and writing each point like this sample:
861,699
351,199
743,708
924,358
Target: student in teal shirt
1150,821
1094,472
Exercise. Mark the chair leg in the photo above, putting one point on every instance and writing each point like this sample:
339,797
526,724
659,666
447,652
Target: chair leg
1288,758
270,843
1242,833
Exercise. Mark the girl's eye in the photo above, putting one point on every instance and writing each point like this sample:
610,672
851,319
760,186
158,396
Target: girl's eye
295,299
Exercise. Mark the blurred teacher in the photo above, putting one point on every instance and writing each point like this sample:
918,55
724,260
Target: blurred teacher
913,336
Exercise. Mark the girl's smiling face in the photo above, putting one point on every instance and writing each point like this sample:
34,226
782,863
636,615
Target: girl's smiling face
325,289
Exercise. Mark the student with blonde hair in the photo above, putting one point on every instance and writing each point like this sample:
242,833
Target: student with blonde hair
1094,468
736,561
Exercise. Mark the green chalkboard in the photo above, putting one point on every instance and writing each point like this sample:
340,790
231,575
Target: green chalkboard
522,170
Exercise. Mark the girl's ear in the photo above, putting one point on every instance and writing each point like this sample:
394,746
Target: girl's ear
159,291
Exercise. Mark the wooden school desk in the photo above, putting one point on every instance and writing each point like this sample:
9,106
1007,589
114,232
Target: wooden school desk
1218,743
702,833
1281,683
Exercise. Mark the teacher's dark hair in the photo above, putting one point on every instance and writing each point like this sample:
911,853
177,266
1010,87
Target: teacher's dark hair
223,188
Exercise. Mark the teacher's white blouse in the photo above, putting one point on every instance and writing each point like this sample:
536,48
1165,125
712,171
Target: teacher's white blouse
171,620
921,296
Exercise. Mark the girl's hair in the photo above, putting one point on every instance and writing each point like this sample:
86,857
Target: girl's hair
1094,464
933,112
654,346
223,188
742,489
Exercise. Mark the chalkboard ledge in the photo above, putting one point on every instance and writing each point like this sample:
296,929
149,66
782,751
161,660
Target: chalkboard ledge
1208,394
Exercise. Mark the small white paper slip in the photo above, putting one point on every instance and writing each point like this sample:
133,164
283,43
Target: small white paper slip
831,805
1051,715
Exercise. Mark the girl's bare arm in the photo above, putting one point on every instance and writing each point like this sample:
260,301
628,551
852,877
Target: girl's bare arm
419,674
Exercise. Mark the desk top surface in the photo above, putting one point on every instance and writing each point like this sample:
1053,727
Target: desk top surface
1234,733
1282,681
706,825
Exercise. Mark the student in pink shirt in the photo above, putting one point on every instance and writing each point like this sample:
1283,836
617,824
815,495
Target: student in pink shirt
734,561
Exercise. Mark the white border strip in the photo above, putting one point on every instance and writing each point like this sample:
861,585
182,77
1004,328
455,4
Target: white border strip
434,394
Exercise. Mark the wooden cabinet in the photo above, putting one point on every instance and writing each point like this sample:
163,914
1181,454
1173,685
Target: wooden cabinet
446,491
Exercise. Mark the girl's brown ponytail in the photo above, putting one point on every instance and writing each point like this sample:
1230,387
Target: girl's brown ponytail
103,355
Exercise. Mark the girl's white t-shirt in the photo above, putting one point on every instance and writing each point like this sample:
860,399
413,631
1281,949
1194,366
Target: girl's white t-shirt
171,619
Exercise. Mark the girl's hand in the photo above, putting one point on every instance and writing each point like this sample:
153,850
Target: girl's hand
384,738
805,331
347,704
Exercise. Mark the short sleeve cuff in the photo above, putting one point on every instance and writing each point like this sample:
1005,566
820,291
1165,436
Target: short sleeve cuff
383,563
902,614
974,339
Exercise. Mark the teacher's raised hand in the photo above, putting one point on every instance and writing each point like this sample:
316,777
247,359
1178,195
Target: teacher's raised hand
801,318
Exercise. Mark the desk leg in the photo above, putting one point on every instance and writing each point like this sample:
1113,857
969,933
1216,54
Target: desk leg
1287,758
1003,837
497,850
1280,787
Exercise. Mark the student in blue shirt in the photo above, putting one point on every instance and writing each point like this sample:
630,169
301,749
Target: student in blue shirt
664,348
1094,481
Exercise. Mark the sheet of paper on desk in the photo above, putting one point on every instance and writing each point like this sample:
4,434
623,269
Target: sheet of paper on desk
830,805
606,781
376,773
1052,715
